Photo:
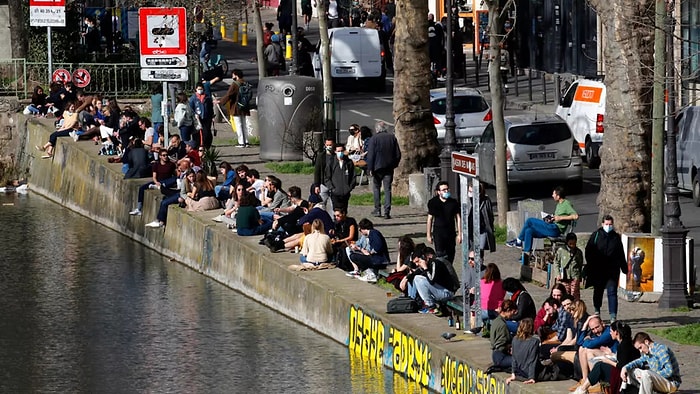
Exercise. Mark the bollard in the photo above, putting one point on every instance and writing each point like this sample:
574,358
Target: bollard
529,84
288,52
517,91
244,34
223,27
235,31
544,88
557,88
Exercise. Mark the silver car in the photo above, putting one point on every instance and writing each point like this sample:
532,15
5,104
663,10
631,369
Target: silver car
472,115
539,148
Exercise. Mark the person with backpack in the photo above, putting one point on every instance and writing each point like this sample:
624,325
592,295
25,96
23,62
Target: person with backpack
434,278
184,117
237,100
274,58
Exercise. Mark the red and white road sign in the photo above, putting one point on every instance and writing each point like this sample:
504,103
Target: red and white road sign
47,13
163,37
81,77
465,164
61,75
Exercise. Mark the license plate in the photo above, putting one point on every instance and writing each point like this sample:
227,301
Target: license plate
540,156
348,70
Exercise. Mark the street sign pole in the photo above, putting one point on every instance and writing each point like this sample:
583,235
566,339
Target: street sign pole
166,117
48,50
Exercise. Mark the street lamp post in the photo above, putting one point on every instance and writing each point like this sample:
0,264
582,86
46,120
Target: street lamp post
449,143
674,233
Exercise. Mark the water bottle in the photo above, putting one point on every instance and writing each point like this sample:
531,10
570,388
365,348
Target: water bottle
458,325
450,321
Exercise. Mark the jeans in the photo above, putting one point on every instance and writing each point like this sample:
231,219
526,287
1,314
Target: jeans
326,199
259,230
536,228
186,133
382,178
221,192
501,359
54,136
163,210
431,293
611,287
142,190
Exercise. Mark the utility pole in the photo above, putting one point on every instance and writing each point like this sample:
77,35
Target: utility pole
674,233
657,131
448,146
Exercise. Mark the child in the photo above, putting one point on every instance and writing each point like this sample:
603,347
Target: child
568,265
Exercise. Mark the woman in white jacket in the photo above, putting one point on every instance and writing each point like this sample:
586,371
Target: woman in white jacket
184,117
317,245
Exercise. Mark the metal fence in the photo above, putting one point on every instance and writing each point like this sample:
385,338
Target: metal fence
19,77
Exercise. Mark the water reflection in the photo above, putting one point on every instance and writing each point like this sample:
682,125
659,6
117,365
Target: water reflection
87,310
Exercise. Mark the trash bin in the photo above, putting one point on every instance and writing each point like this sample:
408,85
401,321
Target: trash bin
290,109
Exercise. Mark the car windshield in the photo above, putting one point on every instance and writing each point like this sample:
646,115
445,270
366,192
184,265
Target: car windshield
461,104
539,134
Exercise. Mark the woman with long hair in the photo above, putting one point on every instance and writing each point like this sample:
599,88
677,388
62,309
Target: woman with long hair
609,367
526,350
202,197
492,295
523,300
317,246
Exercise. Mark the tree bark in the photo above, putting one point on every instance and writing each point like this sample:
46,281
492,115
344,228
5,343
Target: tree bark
625,171
414,128
257,19
18,30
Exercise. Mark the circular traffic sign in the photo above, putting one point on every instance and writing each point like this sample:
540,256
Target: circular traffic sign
61,75
81,77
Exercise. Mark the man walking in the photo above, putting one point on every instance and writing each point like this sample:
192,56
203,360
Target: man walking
323,158
237,108
443,215
383,156
661,374
605,257
340,178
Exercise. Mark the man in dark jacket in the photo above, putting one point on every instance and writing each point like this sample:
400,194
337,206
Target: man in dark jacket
320,167
340,178
383,156
432,279
605,258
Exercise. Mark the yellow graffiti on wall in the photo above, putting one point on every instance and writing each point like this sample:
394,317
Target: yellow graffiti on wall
410,356
372,375
460,378
366,337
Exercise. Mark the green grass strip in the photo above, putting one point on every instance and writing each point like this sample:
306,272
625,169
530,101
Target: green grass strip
687,335
291,167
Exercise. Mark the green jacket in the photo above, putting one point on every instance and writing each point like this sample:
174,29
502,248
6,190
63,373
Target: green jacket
568,265
500,337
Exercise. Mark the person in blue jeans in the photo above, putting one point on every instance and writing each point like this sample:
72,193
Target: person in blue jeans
432,279
605,257
550,226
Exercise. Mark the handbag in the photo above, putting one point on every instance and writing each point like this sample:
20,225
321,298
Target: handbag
395,278
402,304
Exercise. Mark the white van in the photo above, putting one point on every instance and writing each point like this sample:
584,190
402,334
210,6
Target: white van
583,109
688,152
356,54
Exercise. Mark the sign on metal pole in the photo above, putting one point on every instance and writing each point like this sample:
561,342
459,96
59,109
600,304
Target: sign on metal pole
81,78
468,167
61,75
163,37
164,74
46,13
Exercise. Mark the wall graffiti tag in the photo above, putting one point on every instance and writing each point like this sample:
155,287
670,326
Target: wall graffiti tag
459,378
410,356
367,336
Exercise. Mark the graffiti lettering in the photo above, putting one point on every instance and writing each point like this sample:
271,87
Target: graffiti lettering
460,378
410,356
366,337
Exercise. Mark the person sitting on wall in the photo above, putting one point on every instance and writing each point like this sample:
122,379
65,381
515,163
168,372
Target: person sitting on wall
317,246
501,339
368,254
432,279
248,221
523,300
344,235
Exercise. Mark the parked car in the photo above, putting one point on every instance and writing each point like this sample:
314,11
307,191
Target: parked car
583,109
472,115
539,148
688,152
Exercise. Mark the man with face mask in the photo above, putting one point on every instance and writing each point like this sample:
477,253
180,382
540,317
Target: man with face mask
444,214
340,178
320,167
605,258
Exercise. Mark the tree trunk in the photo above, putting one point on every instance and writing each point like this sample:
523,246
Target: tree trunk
257,19
414,129
497,105
325,52
18,30
625,190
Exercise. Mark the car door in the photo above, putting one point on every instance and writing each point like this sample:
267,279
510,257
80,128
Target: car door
686,146
486,151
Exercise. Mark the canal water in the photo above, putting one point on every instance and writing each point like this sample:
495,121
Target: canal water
85,309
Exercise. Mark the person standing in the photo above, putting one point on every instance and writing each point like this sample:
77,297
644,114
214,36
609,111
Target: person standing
568,265
323,158
203,110
383,156
237,113
605,258
340,178
662,374
443,215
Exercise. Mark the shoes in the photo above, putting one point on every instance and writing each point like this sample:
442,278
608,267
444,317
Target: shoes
135,212
353,274
46,156
240,146
368,276
39,148
155,224
218,219
153,186
376,214
580,390
515,243
387,216
576,387
429,310
593,389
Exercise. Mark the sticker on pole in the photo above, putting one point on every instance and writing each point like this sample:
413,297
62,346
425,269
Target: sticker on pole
61,75
465,164
81,78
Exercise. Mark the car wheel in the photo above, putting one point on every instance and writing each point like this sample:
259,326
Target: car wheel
696,191
592,160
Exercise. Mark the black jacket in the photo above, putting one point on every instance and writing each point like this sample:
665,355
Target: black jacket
383,152
605,257
139,160
340,181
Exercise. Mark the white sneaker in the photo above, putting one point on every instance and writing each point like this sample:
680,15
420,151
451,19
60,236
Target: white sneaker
74,135
154,224
580,390
153,186
135,212
218,219
368,276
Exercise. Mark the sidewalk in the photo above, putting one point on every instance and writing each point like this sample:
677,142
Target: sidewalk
411,221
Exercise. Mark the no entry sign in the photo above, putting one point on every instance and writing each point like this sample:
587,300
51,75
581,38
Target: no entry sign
81,77
163,37
61,75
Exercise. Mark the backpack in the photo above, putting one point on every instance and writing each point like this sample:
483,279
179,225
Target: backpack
245,95
453,274
402,304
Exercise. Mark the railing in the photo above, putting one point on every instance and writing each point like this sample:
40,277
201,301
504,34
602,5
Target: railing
19,77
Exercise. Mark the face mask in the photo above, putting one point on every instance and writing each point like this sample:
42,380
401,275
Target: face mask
200,91
446,195
329,148
607,228
339,154
470,194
